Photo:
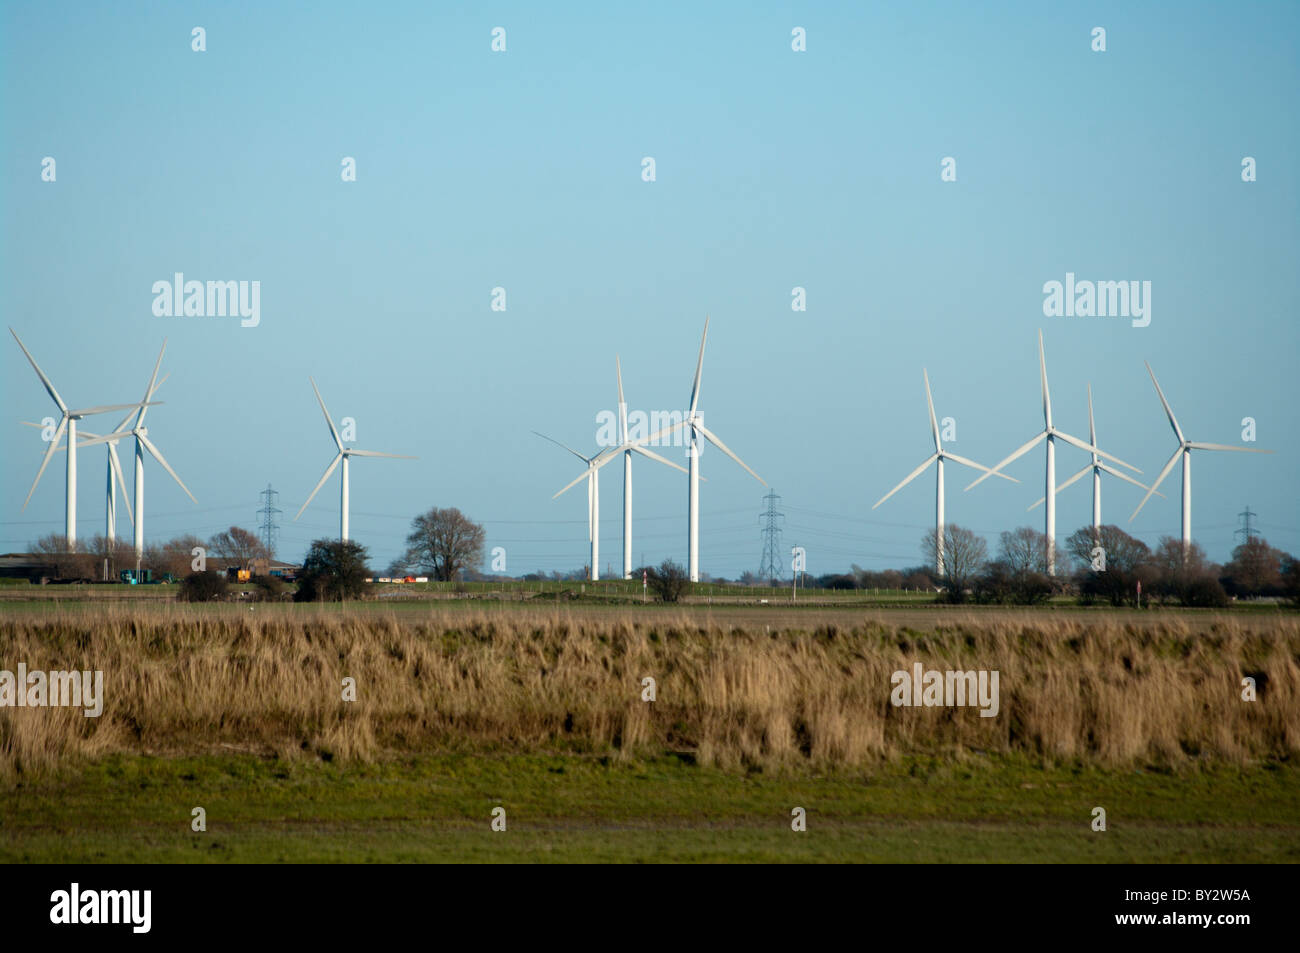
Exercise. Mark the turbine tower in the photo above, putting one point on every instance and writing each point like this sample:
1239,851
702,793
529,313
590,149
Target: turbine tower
937,458
68,424
341,457
628,447
1049,433
1096,468
1185,448
695,421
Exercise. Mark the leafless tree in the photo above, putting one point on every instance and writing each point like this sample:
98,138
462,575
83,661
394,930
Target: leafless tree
237,545
964,555
442,542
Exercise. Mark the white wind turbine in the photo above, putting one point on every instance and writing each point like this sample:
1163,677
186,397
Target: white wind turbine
1096,468
695,422
1185,448
68,425
937,458
342,456
628,447
592,476
1050,433
140,433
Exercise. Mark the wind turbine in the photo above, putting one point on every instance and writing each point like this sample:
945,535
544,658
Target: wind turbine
1050,433
628,447
695,422
1185,448
140,432
1096,468
592,476
68,424
937,458
343,454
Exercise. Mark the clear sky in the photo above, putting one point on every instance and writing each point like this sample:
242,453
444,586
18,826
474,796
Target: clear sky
774,169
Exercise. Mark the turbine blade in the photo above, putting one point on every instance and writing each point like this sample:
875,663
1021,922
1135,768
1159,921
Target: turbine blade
1075,441
1092,424
1173,421
1042,367
333,433
375,453
45,461
1154,486
1125,477
116,465
712,438
157,455
654,456
661,433
1224,446
565,446
1014,456
1061,486
91,439
908,479
619,368
579,478
49,386
104,409
934,424
328,470
977,466
137,410
148,394
699,368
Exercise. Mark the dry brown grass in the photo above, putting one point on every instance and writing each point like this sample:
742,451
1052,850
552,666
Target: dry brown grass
181,681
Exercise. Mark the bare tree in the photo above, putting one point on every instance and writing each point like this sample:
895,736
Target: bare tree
176,556
1255,568
443,542
1024,550
1123,552
964,555
238,545
67,562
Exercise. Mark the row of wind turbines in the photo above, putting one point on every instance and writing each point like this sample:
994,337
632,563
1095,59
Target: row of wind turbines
1098,465
693,423
132,426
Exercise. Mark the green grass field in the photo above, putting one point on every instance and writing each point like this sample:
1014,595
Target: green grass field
572,809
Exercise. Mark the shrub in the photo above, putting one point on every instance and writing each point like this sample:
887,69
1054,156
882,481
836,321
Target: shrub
202,587
1204,592
668,581
334,570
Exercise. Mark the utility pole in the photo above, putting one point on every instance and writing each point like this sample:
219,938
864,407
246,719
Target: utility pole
1248,531
270,529
770,568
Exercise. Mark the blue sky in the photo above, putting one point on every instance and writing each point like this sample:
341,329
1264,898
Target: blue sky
775,169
